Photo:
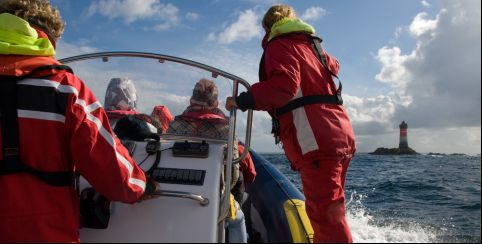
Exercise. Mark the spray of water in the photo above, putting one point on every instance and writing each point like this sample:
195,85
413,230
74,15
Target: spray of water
366,229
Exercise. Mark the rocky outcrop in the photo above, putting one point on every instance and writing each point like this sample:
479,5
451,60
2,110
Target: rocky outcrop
394,151
436,154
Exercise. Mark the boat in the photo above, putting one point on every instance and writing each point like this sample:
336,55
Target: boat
192,205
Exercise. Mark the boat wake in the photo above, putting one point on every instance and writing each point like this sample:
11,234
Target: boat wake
366,228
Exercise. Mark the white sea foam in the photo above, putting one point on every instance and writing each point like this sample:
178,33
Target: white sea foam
366,229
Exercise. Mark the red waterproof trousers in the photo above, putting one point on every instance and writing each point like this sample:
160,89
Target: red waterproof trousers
323,185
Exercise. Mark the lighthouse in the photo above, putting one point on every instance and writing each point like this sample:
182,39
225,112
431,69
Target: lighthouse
403,148
403,136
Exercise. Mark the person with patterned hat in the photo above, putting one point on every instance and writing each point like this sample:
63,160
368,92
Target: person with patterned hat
203,118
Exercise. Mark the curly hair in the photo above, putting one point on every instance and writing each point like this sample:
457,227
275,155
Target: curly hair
37,12
277,13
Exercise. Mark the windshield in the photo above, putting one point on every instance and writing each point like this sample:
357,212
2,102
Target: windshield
164,91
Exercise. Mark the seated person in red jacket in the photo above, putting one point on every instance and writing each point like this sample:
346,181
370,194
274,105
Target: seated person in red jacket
121,102
161,116
203,118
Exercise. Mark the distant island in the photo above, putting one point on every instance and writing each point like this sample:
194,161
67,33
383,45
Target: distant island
403,148
394,151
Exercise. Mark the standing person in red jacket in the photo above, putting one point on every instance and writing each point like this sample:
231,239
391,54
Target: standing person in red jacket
297,89
51,123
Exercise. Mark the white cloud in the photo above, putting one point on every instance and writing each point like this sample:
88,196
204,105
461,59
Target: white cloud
425,3
162,27
192,16
169,13
436,86
245,28
133,10
421,25
313,14
130,10
364,110
65,49
397,34
393,70
447,140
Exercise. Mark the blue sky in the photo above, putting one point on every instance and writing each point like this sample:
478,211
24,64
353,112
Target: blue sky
410,60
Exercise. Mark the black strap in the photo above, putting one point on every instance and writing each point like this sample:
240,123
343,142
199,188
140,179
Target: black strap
8,113
64,178
318,49
11,163
309,100
261,72
51,67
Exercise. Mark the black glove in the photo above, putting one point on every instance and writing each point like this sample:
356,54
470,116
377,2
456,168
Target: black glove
152,187
245,101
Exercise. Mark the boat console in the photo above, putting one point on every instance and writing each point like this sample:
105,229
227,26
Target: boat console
188,205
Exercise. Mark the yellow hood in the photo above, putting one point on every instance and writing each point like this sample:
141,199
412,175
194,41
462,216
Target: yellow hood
17,37
287,25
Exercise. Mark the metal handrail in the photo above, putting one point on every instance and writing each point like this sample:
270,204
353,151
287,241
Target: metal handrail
203,201
174,137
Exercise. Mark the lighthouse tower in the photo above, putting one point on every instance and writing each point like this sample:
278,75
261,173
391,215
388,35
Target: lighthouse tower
403,136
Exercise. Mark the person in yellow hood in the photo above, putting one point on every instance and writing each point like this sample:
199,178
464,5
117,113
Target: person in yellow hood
51,123
296,87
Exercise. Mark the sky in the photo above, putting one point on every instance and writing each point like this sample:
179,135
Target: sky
401,60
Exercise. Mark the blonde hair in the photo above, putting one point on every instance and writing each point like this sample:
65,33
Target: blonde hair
277,13
37,12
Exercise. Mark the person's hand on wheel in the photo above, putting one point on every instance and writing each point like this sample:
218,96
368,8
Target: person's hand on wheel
152,187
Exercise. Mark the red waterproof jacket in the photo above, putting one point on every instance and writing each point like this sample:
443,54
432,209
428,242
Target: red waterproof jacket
163,115
247,166
291,70
62,126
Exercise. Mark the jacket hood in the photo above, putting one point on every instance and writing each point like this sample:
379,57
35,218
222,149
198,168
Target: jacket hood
287,25
17,37
121,94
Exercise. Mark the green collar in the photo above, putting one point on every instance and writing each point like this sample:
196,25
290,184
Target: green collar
287,25
17,37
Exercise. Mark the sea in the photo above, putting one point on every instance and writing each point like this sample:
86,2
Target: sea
422,198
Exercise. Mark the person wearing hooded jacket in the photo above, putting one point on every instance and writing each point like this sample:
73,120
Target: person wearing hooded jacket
121,102
61,126
203,118
318,139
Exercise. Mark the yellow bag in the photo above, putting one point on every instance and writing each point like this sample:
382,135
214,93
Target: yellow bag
232,207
